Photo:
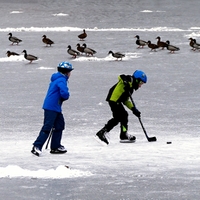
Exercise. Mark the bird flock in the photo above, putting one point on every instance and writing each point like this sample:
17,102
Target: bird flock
80,50
161,44
84,49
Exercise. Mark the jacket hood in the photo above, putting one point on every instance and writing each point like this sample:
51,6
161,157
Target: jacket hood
58,75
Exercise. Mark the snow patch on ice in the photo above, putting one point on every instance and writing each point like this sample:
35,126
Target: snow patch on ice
128,56
14,171
67,28
193,34
146,11
60,14
16,12
12,58
45,68
149,11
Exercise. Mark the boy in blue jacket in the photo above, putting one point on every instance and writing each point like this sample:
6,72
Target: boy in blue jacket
54,122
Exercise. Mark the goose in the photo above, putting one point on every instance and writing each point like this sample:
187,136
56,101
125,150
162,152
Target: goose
29,56
72,52
171,48
161,43
88,50
152,46
10,53
117,55
14,39
83,35
140,43
47,41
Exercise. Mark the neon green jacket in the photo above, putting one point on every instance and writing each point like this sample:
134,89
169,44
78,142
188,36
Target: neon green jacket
120,93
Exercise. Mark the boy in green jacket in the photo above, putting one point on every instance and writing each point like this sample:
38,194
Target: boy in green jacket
118,96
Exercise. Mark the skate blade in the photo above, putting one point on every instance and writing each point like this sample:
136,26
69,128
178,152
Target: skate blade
35,153
100,141
127,141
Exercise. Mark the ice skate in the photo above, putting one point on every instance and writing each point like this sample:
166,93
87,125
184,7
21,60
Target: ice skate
36,151
102,136
127,138
59,150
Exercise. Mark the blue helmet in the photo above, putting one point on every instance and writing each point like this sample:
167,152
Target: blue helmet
65,67
140,76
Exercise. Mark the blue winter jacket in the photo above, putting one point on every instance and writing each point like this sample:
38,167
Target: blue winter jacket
57,93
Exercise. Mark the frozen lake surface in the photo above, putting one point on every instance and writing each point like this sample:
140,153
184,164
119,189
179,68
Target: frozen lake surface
169,102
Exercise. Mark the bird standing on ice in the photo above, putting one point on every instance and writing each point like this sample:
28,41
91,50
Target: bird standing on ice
83,35
72,52
47,41
139,42
152,46
171,48
29,56
14,39
88,50
117,55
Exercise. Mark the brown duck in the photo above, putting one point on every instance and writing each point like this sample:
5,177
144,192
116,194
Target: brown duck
47,41
10,53
152,46
83,35
191,43
80,48
161,43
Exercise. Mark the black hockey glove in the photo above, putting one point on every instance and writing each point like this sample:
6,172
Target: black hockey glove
136,112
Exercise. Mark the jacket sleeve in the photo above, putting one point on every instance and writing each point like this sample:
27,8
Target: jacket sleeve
128,104
64,91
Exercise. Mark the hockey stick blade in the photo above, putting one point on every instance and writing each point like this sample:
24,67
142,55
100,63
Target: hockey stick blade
152,139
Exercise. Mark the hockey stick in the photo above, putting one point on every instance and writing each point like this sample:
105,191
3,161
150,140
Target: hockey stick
150,139
50,136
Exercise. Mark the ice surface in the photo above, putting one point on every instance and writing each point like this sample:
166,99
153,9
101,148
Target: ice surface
169,102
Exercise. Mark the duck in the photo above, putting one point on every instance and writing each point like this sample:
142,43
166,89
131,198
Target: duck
116,55
80,48
88,50
152,46
29,56
191,43
47,41
196,45
72,52
171,48
10,53
14,39
161,43
140,43
83,35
